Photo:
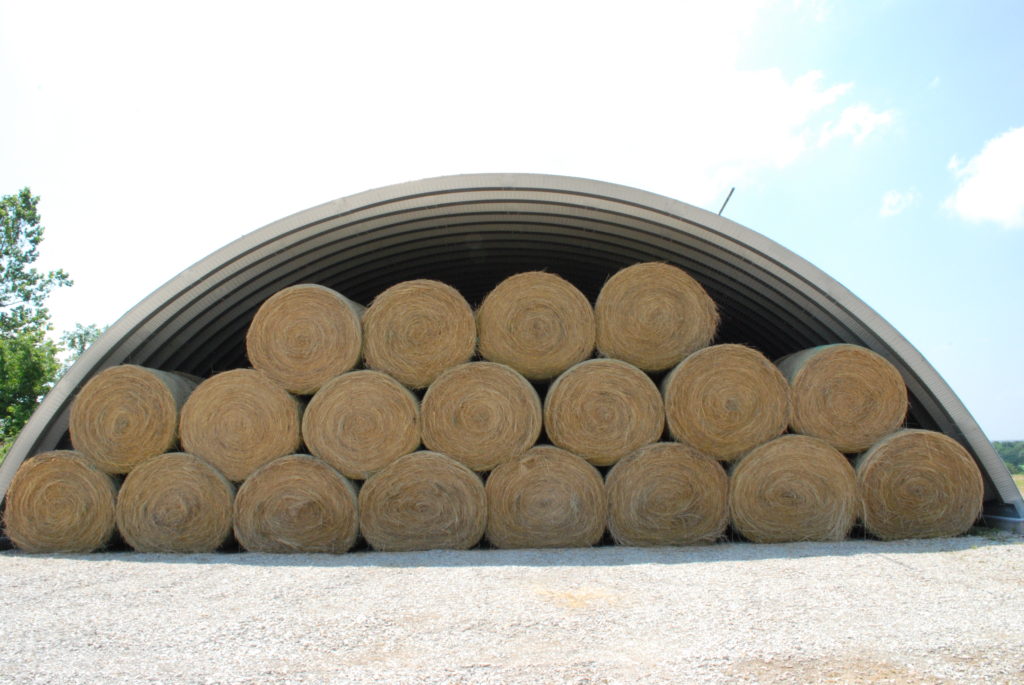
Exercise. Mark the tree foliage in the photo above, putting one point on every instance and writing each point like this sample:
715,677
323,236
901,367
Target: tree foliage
1012,452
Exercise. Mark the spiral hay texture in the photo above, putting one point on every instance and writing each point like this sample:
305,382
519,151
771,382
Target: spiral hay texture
537,323
127,413
653,315
791,489
603,409
239,420
175,502
919,484
304,335
60,502
421,501
481,414
546,498
725,400
667,494
361,421
847,395
296,503
416,329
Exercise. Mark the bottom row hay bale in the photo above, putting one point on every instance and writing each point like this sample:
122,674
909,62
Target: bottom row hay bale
919,484
175,502
793,488
58,502
421,501
296,503
546,498
667,494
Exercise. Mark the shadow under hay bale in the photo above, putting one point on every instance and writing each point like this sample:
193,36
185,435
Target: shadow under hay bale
919,484
60,501
304,335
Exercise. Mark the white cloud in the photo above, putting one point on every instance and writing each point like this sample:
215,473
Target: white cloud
856,122
895,202
990,183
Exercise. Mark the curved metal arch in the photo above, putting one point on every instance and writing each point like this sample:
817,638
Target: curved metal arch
472,231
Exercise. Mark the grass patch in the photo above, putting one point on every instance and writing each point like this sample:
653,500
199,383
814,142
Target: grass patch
1018,478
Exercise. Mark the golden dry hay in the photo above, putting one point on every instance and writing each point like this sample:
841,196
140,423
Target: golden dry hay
652,315
60,501
296,503
847,395
667,493
603,409
545,498
239,420
361,421
725,400
423,500
791,489
416,329
303,335
175,502
481,414
919,484
538,323
127,413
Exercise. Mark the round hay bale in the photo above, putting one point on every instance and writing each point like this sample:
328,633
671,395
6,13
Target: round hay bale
481,414
175,502
791,489
127,413
725,400
421,501
239,420
847,395
60,501
361,421
416,329
667,493
545,498
296,503
653,315
603,409
304,335
919,484
538,323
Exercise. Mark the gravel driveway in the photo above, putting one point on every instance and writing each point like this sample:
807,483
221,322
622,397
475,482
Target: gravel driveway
924,611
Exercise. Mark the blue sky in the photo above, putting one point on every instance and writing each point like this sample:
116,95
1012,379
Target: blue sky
881,141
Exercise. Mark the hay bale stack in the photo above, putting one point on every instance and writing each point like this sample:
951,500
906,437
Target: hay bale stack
416,329
296,503
482,414
791,489
653,315
603,409
127,413
175,502
667,493
545,498
847,395
725,400
421,501
361,421
919,484
60,501
538,323
239,420
304,335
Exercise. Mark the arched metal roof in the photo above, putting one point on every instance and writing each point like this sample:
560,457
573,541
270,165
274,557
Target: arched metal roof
472,231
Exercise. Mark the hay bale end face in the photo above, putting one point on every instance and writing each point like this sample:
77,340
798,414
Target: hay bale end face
60,502
919,484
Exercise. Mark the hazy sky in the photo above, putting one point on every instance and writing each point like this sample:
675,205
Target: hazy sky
882,141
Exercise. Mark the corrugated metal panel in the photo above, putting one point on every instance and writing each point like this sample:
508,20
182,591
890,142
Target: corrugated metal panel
472,231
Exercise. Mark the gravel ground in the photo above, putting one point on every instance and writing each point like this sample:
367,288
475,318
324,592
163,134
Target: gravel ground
924,611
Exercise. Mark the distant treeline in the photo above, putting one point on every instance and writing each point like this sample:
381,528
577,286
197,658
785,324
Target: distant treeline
1012,452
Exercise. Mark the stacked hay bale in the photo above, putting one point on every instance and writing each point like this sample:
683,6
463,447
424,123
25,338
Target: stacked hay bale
417,423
